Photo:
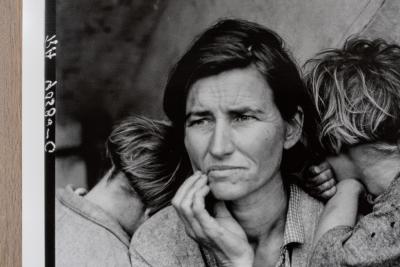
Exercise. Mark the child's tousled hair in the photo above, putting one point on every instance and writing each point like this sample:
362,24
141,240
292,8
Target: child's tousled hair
356,91
139,148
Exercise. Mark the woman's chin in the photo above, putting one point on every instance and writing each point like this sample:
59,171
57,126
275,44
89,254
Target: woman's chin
225,192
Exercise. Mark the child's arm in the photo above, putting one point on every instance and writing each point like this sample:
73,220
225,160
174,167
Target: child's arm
342,208
373,241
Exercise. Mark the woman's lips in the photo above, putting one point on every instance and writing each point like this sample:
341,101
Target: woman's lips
222,171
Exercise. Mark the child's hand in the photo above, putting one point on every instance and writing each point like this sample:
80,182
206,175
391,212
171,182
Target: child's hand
321,181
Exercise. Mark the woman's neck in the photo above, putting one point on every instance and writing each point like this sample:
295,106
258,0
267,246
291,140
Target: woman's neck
263,214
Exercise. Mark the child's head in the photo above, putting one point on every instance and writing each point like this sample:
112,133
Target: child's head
357,95
139,149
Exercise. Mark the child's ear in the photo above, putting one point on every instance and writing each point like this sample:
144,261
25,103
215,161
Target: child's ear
146,213
294,129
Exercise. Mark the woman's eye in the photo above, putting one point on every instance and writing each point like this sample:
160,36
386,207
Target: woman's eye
240,118
198,122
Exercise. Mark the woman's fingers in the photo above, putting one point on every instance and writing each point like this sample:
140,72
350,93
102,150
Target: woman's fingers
187,199
199,206
209,226
207,222
183,202
222,234
186,205
226,236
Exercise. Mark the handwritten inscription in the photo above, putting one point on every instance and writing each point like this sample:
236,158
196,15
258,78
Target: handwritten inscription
49,113
51,43
50,97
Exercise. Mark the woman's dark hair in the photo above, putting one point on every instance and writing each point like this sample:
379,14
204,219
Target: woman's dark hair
139,149
232,44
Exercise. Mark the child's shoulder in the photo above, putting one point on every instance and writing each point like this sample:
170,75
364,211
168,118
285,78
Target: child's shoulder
389,200
374,239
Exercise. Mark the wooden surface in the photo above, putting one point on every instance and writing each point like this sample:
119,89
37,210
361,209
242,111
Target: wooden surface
10,132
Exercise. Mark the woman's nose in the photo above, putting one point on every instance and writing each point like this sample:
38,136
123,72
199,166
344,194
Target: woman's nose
221,143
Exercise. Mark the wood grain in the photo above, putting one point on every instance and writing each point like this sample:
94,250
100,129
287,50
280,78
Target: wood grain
10,132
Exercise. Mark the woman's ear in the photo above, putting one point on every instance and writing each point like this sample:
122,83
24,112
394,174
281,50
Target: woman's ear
294,129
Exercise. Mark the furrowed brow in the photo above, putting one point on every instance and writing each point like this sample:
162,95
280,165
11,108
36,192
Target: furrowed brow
244,110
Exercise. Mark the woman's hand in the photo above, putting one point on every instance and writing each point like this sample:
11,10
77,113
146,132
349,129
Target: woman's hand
222,234
320,182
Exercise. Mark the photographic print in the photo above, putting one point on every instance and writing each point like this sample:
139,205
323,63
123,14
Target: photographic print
204,133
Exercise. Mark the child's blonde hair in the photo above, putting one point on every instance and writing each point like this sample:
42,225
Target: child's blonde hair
356,91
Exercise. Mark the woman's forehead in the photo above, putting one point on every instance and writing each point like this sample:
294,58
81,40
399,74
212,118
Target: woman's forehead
238,88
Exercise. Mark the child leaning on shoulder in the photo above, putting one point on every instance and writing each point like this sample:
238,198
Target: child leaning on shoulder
356,91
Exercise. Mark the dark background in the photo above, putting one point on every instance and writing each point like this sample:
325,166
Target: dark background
113,57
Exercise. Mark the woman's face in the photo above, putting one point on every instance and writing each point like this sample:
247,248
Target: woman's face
234,133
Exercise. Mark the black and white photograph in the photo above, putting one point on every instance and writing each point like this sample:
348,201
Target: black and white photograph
218,133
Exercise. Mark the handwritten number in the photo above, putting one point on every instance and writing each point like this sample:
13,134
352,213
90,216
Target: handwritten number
50,147
50,112
50,84
51,41
49,95
49,122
